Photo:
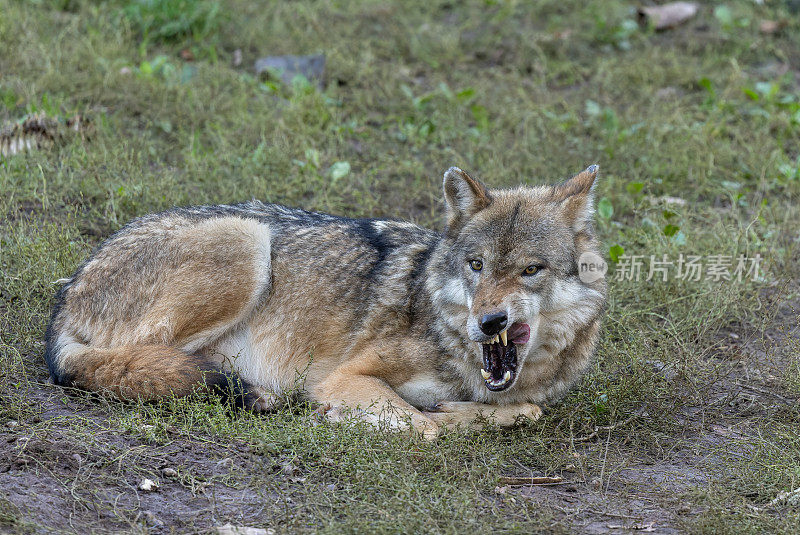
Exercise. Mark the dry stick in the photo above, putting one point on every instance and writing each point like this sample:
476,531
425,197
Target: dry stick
518,481
603,469
588,510
752,388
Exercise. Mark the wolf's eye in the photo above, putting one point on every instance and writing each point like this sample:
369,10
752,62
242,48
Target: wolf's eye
476,265
531,270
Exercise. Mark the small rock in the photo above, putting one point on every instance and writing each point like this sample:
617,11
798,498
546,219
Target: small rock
287,67
596,483
125,70
148,485
169,472
230,529
78,458
667,15
237,57
666,199
11,424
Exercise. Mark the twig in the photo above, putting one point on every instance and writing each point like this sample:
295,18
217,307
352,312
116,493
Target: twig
752,388
518,481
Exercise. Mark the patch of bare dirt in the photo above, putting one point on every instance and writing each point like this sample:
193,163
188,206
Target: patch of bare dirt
63,481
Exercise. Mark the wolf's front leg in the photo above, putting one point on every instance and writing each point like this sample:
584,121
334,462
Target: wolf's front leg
346,394
467,413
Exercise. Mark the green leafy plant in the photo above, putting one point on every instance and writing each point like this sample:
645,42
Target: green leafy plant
604,208
615,251
173,20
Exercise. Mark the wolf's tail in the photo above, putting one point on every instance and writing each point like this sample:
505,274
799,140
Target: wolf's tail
146,372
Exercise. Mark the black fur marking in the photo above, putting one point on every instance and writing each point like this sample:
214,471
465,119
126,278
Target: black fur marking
378,241
230,388
573,270
59,377
515,214
416,277
421,262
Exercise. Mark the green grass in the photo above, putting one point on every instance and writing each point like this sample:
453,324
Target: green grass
516,92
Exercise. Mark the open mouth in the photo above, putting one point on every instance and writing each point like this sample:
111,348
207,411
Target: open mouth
500,356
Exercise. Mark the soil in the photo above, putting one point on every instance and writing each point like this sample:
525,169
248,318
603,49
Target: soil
53,480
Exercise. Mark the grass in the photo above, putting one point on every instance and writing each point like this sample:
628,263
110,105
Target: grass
691,376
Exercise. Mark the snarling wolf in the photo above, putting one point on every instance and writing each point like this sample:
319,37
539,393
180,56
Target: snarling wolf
397,324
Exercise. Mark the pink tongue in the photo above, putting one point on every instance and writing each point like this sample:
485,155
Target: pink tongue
519,333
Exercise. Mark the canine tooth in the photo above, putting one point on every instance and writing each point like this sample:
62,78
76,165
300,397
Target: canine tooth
496,339
507,376
504,337
485,374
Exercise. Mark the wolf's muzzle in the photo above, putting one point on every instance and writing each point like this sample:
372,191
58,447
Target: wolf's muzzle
493,323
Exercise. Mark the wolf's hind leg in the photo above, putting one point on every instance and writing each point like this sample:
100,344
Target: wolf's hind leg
140,316
470,413
152,372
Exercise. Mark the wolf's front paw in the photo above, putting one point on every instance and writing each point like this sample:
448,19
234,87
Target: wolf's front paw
472,413
531,411
392,420
259,400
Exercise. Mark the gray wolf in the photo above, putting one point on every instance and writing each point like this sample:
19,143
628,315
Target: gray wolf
397,324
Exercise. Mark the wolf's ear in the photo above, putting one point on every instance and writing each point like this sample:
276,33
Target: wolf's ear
464,195
576,196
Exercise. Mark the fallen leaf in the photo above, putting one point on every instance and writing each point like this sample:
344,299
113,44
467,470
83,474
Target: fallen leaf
187,55
667,16
339,170
772,26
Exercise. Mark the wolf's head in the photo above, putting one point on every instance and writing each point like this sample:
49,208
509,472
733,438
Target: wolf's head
512,286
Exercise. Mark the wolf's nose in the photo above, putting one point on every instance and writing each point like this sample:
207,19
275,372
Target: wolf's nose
494,323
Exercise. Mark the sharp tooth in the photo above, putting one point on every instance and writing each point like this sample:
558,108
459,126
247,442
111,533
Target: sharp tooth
507,376
485,374
504,337
496,339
